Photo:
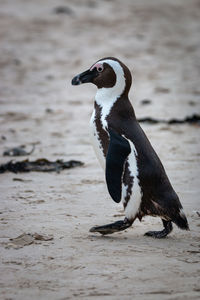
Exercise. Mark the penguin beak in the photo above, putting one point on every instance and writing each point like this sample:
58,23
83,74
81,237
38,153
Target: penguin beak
85,77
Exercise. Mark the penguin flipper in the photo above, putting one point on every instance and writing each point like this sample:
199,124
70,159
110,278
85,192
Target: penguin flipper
118,151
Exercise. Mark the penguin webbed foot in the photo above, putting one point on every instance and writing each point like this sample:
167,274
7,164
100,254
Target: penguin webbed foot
163,233
112,227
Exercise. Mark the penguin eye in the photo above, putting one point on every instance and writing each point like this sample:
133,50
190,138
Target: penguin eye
100,69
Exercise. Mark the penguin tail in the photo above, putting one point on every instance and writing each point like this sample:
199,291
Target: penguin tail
181,221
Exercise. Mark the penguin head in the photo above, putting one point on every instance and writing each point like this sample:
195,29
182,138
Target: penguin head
107,73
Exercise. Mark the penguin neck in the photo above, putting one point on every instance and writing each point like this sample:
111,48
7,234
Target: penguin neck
119,105
106,98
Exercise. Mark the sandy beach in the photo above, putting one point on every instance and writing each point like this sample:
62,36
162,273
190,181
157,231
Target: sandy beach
43,44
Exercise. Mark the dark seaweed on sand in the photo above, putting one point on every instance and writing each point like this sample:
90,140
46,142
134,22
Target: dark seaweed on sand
193,120
39,165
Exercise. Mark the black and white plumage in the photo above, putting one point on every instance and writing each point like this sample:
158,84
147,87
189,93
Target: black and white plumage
134,172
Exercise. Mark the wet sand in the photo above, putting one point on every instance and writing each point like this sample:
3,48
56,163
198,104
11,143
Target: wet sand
41,51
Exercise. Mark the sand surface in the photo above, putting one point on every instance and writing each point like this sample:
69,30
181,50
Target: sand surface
40,51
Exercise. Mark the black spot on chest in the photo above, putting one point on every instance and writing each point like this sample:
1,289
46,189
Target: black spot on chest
101,132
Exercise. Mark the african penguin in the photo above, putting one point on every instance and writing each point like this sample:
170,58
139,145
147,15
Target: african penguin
133,171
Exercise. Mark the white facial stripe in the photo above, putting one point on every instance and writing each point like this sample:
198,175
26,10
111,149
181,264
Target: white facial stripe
104,94
106,97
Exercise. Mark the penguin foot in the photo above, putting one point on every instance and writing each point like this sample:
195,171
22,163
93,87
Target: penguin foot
112,227
163,233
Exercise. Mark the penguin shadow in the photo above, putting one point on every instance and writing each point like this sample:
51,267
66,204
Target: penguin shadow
138,242
129,239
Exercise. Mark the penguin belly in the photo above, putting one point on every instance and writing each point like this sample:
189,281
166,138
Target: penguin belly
131,191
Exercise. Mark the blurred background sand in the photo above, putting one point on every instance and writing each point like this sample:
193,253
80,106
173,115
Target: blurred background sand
43,44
